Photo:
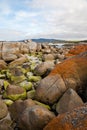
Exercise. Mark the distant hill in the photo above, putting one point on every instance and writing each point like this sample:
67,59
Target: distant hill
42,40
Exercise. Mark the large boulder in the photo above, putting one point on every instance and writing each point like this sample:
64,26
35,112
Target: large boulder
35,118
68,101
73,120
71,73
10,50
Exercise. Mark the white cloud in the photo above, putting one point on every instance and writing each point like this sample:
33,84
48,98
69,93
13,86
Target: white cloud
48,18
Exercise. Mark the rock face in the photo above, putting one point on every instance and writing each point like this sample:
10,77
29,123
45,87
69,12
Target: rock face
74,120
48,91
71,73
35,118
68,101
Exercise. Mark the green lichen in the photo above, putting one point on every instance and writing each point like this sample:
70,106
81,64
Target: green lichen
34,78
42,104
31,94
15,97
8,102
6,84
26,85
18,79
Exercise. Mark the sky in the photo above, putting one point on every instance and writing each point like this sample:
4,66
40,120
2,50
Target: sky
58,19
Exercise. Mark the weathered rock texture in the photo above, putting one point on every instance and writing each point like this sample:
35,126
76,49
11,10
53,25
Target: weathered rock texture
74,120
71,73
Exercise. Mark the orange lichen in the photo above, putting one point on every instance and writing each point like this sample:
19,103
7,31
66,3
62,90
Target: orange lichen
77,50
74,120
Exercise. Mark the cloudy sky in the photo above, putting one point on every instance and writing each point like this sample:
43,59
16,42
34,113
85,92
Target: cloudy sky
60,19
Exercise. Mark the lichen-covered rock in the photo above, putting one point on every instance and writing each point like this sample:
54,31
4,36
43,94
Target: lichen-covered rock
14,93
17,79
71,73
16,75
42,104
26,85
68,101
3,109
39,116
77,50
73,120
31,94
34,78
8,102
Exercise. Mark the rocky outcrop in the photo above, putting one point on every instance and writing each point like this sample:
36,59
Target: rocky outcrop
73,120
69,74
77,50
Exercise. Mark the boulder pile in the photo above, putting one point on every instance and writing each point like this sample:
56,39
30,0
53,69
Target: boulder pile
42,87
